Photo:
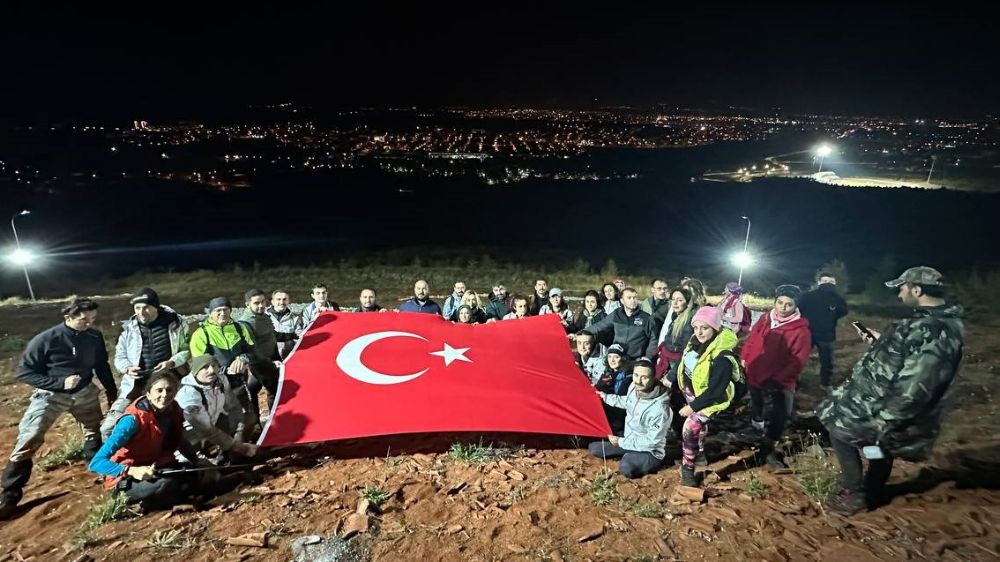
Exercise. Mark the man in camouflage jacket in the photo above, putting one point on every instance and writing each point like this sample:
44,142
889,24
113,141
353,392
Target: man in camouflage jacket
892,404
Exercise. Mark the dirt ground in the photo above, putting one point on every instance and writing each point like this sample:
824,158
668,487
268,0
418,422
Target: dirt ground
539,503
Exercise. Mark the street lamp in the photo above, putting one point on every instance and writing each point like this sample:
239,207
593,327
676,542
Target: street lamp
743,259
22,256
823,151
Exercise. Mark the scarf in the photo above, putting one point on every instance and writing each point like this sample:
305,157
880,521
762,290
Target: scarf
779,322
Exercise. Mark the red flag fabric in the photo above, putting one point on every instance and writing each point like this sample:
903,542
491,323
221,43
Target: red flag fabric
364,374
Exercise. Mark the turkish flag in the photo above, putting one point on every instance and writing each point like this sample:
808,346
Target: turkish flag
357,375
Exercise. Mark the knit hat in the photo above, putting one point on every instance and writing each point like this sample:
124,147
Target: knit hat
642,362
200,362
145,295
219,302
791,291
709,315
733,288
617,349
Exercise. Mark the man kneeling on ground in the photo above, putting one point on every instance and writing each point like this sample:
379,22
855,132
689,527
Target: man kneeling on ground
211,409
646,422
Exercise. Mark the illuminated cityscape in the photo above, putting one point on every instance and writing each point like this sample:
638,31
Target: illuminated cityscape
500,145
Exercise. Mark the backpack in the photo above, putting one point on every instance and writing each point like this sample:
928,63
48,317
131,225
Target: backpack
739,378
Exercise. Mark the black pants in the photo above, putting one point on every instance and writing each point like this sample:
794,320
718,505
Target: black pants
159,493
634,464
825,349
781,408
262,375
852,479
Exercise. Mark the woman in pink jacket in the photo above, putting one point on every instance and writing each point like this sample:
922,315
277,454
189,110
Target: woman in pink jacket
774,355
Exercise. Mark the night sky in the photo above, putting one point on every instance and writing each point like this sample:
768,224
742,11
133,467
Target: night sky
832,57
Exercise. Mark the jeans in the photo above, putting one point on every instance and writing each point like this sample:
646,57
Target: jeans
781,408
825,349
872,483
43,411
634,464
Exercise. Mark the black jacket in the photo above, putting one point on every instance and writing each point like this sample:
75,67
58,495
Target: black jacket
823,307
60,352
636,333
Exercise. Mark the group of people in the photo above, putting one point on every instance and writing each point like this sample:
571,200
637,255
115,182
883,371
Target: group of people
707,357
189,402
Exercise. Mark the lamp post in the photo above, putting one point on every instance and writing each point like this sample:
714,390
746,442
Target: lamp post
21,254
745,257
823,151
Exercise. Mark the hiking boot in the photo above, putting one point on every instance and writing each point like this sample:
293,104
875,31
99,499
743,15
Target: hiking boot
91,446
847,503
689,478
773,460
700,459
8,506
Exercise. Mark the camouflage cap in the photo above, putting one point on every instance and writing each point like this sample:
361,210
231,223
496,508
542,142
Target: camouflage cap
920,275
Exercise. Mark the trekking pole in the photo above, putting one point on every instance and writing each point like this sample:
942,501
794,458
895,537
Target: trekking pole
169,471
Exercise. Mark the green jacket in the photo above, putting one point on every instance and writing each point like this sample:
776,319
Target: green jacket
725,341
899,389
224,343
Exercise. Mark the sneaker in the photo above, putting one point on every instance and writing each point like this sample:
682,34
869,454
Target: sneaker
758,425
700,459
689,478
847,503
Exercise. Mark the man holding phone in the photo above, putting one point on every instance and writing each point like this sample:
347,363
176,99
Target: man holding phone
893,403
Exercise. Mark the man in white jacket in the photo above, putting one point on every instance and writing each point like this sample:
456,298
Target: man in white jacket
647,419
205,397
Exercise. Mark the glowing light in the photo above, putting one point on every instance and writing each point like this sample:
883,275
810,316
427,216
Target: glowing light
824,150
742,260
22,257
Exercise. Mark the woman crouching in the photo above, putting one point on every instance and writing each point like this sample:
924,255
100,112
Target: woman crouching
143,441
709,386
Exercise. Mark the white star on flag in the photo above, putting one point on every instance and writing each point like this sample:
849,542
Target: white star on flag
450,354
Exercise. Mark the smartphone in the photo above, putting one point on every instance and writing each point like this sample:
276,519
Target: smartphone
861,328
873,452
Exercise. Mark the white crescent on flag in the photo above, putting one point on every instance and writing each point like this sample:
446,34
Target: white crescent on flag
349,359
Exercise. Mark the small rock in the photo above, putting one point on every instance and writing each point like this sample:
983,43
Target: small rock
664,548
257,540
363,506
515,475
182,508
687,494
453,529
556,556
356,523
591,532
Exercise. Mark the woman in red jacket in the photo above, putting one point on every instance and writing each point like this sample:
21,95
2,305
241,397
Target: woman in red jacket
774,356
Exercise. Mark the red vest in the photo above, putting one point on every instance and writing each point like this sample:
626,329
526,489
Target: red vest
149,444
